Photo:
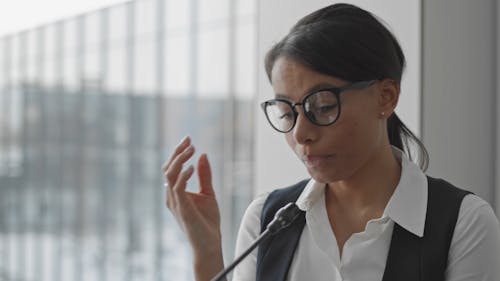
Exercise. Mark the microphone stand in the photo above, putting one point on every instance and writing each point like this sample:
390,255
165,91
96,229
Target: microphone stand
283,218
222,274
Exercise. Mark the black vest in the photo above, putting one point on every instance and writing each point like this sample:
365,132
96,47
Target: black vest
410,257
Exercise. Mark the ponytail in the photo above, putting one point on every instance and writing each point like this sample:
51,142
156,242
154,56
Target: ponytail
403,138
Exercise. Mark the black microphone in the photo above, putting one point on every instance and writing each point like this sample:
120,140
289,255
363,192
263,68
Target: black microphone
282,219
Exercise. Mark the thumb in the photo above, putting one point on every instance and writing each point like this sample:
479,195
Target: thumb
205,175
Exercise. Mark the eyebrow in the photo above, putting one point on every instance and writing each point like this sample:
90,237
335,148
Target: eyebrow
314,88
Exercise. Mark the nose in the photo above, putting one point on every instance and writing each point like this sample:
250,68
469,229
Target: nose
304,131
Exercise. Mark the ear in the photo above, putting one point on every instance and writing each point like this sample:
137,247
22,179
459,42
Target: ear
388,97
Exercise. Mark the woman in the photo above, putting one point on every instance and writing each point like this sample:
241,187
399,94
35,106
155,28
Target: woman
369,213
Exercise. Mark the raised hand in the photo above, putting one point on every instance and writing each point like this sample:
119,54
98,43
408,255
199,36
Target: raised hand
196,212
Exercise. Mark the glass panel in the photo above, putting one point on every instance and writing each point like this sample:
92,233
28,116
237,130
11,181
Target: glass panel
12,107
144,67
213,11
245,8
15,49
177,65
70,34
2,65
116,76
144,56
177,16
32,46
117,24
49,55
70,63
213,68
70,75
145,19
3,132
116,63
92,25
91,79
143,122
246,57
92,52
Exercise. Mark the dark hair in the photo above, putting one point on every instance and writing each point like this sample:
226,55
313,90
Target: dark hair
349,43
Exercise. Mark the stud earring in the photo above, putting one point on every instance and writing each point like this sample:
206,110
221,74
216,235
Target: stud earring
382,113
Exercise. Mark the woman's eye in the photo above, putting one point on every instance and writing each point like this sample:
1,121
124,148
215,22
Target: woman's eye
326,108
286,115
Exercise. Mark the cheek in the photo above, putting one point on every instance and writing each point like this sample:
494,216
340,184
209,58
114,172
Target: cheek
364,134
347,131
354,135
291,141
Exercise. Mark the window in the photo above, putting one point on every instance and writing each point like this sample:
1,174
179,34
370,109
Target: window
91,108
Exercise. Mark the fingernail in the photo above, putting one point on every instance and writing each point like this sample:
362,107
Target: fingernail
184,139
190,149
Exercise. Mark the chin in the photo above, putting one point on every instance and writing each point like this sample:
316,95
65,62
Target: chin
323,177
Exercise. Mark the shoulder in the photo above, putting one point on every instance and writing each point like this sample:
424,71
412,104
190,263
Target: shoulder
254,210
476,242
268,200
475,207
476,218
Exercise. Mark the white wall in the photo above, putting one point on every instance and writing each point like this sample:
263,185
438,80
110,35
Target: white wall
459,92
497,112
276,165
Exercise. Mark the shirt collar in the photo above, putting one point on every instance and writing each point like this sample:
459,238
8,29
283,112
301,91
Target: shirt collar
310,195
407,205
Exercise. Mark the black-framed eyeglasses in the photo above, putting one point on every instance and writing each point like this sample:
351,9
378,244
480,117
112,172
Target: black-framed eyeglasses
321,107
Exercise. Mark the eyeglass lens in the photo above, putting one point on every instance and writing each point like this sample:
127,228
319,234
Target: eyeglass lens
321,108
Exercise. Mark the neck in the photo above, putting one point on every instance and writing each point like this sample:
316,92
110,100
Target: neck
370,188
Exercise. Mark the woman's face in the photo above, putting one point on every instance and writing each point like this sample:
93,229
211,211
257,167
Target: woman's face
336,152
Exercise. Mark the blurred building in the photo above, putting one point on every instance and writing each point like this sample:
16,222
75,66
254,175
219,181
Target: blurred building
90,108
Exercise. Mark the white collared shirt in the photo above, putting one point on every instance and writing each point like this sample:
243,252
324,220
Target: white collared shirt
474,251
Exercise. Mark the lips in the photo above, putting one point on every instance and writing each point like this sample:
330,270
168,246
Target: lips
315,161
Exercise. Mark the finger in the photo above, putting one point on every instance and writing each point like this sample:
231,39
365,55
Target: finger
169,196
176,166
185,142
180,187
205,175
